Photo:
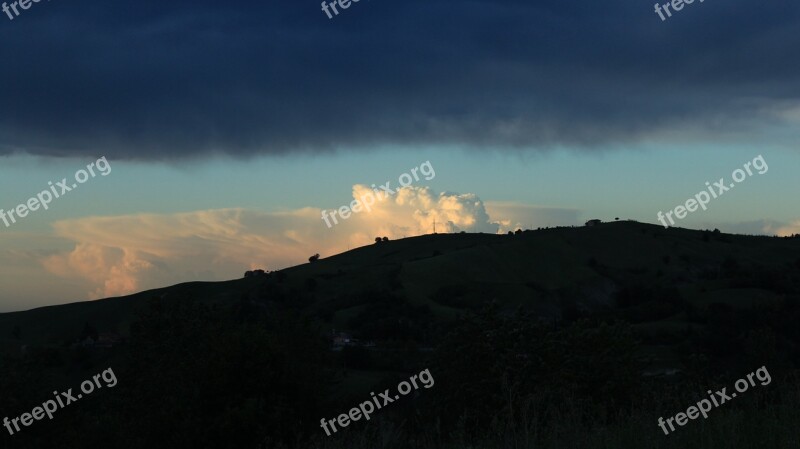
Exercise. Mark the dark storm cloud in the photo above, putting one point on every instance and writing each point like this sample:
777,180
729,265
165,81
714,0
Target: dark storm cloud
166,80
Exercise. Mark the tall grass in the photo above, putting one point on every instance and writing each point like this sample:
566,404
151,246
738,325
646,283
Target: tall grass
763,417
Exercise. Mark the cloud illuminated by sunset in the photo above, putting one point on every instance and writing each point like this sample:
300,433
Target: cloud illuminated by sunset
124,254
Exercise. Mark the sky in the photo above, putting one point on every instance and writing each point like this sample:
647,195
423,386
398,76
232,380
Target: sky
224,130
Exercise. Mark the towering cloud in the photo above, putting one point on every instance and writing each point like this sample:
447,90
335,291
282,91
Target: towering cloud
125,254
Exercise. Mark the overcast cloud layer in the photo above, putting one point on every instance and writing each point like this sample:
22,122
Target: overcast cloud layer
168,80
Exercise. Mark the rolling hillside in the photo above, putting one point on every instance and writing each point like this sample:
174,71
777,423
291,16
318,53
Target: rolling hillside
629,320
548,271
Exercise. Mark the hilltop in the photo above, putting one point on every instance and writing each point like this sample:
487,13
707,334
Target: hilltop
649,275
603,329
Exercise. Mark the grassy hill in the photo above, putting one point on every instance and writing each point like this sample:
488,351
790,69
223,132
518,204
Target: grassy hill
550,271
600,330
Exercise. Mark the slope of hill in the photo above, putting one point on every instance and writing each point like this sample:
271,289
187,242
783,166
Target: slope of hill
553,272
606,327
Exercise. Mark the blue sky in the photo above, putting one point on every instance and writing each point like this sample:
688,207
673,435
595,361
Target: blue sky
230,127
630,182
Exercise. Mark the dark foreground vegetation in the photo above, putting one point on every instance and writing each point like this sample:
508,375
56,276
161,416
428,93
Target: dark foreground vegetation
590,357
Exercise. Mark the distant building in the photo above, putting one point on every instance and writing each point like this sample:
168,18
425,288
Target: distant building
593,222
105,340
340,339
